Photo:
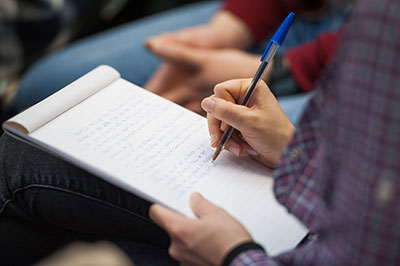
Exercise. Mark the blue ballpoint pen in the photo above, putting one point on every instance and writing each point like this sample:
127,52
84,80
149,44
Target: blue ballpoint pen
267,57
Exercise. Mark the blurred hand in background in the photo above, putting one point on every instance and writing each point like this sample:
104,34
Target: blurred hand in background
197,58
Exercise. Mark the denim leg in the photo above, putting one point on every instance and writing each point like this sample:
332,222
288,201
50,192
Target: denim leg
122,48
46,202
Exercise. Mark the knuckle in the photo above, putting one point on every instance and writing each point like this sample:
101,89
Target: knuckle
262,83
175,229
197,205
218,88
187,242
216,211
227,112
179,232
253,119
173,252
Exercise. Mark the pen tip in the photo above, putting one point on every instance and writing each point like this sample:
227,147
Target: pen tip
217,152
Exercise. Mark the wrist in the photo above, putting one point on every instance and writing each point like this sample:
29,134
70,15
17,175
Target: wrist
285,133
289,133
240,248
232,31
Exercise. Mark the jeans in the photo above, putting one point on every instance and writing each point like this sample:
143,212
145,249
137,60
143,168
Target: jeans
123,49
46,203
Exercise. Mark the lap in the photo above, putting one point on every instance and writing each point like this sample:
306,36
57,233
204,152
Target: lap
59,202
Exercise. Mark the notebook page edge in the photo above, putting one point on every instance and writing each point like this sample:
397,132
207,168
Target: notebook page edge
64,99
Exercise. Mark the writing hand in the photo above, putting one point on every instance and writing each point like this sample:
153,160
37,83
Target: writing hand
264,129
202,241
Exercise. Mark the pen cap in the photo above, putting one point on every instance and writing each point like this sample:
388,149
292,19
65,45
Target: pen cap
280,34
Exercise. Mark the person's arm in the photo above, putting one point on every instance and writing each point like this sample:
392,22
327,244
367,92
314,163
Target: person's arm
263,16
239,24
223,30
260,16
305,62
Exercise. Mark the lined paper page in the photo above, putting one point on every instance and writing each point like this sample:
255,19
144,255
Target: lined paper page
161,151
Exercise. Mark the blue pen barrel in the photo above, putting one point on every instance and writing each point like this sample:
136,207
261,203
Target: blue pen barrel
270,53
253,84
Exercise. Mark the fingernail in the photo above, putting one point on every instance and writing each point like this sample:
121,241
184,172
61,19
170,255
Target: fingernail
151,41
234,150
207,104
157,45
195,196
213,139
252,152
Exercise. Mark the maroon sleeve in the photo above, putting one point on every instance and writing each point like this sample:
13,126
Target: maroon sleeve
260,16
306,61
264,16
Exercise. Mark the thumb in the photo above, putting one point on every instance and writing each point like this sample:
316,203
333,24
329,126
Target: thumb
228,112
175,51
200,206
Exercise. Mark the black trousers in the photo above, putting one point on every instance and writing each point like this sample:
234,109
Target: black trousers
46,203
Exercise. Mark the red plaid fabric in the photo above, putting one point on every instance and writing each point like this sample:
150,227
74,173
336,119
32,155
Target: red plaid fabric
340,175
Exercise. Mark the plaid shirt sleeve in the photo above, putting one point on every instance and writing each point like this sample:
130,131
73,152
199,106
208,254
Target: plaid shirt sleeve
340,174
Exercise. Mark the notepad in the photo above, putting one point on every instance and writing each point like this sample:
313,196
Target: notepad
156,150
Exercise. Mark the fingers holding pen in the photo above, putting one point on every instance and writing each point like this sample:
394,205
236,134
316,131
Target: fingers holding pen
238,147
216,126
251,123
213,124
220,110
